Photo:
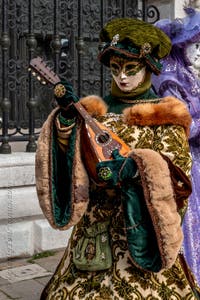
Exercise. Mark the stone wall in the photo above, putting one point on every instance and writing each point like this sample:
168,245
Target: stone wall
23,229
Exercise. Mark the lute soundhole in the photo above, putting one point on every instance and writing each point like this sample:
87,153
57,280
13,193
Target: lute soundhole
103,138
107,143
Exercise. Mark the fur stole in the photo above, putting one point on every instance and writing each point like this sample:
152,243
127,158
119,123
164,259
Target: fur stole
169,110
94,105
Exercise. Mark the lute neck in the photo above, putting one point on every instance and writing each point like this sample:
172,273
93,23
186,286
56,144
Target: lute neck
88,119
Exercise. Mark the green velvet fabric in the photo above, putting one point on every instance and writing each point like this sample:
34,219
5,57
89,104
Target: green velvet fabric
141,237
68,97
136,33
134,38
140,232
121,168
142,89
116,105
61,179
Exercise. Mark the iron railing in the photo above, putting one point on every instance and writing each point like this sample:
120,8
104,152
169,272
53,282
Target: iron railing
65,34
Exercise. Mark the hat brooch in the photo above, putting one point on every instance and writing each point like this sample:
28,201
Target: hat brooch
145,49
115,40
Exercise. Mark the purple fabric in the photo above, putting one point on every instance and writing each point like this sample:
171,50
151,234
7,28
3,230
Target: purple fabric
178,80
182,31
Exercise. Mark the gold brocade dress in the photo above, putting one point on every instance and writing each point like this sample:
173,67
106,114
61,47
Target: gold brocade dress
124,280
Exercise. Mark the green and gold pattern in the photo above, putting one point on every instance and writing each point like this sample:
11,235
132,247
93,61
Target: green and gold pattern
166,139
123,281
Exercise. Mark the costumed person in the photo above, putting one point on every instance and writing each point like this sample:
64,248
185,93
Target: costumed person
180,77
126,210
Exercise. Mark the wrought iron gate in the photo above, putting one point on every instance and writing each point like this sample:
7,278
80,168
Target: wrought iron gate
65,34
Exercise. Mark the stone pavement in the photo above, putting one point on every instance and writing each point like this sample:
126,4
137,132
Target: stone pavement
24,279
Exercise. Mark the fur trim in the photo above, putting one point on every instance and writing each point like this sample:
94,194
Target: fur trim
169,110
160,201
94,105
43,172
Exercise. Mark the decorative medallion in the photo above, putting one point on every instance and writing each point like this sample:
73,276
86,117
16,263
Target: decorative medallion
115,40
59,90
105,173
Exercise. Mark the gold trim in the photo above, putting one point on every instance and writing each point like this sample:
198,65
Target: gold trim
140,101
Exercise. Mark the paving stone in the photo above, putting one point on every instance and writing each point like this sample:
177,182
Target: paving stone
29,289
4,297
26,290
50,263
13,263
24,273
43,280
3,281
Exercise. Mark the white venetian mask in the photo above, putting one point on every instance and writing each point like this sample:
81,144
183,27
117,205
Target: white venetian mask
193,54
128,75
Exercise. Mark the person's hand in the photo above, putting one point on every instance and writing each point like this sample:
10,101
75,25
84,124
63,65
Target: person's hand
116,170
64,94
65,97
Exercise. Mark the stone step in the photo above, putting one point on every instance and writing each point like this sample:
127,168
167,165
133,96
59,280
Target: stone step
17,169
23,229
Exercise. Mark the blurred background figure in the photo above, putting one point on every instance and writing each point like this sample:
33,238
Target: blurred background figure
180,77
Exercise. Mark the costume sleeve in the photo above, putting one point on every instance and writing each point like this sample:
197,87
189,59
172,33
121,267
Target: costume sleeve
168,88
61,179
154,208
63,134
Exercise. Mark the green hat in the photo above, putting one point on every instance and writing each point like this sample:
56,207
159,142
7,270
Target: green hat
133,38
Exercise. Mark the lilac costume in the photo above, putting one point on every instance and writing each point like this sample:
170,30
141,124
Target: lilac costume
178,79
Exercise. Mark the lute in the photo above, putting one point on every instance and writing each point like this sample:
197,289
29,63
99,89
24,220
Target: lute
97,141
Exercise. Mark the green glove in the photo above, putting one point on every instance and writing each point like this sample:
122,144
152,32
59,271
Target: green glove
64,94
117,169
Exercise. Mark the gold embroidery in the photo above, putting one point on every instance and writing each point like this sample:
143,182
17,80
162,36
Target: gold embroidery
123,280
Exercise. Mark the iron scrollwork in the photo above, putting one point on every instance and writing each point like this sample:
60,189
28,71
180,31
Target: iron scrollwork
65,34
153,14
